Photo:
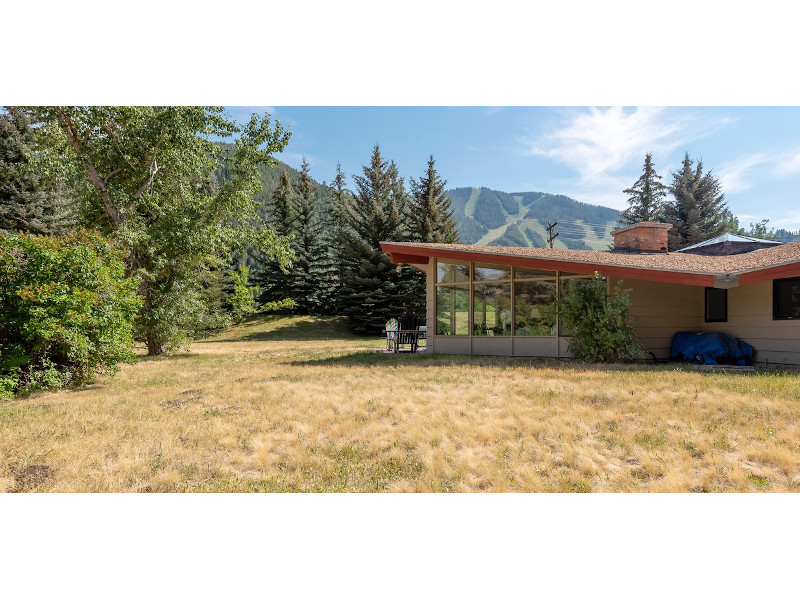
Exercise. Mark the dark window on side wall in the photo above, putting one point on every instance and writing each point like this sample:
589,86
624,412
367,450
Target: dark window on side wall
786,298
716,305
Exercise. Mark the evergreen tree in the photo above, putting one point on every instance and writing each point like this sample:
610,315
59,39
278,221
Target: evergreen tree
699,211
274,281
330,281
645,197
372,288
430,216
309,246
29,200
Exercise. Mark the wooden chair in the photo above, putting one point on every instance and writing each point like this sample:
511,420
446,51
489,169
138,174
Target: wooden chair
408,332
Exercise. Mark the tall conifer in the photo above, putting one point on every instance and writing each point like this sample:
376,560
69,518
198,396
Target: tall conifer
645,197
430,216
372,288
309,246
274,283
699,211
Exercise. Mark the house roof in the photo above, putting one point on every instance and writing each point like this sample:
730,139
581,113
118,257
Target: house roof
674,267
730,237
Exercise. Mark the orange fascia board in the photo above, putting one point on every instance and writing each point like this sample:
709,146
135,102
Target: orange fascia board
399,254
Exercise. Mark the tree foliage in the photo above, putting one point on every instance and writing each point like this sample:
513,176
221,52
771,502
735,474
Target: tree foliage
372,288
645,197
699,211
152,186
66,309
430,215
601,330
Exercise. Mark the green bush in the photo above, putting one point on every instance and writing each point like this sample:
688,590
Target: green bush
599,324
66,310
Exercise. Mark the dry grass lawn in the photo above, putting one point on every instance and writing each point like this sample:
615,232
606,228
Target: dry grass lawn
298,404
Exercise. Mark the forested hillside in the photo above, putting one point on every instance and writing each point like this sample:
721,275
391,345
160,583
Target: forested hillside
491,217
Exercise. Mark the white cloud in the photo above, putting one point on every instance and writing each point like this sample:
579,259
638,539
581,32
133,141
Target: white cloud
603,141
788,164
606,147
737,176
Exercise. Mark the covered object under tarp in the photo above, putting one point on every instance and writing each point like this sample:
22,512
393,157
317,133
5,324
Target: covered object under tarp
710,348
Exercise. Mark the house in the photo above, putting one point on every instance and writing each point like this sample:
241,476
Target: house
496,300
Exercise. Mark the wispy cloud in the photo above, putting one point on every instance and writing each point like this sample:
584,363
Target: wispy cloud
605,146
738,176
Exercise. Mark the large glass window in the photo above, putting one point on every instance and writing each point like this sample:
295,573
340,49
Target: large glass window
452,310
535,307
786,298
478,298
452,272
492,308
492,272
566,286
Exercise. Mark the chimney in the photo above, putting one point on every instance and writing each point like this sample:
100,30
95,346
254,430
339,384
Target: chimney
644,236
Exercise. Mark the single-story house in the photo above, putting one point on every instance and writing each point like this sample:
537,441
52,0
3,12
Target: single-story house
496,300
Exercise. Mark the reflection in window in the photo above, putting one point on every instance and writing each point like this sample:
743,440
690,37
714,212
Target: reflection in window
452,310
451,273
522,273
491,272
786,298
535,304
492,306
568,285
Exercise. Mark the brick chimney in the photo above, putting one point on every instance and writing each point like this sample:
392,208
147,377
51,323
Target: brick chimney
644,236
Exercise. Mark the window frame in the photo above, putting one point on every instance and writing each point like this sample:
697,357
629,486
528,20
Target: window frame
776,297
709,292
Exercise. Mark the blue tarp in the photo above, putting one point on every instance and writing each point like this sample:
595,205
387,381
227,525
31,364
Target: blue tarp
707,348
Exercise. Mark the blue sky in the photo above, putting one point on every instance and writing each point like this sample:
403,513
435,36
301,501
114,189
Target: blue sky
590,154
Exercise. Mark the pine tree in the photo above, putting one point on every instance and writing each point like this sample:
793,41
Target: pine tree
430,216
699,211
308,245
372,288
645,197
275,284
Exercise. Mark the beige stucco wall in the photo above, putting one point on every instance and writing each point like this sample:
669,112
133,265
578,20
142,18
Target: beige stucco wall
661,309
750,319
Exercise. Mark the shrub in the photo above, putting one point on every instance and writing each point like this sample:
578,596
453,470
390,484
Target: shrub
66,310
601,330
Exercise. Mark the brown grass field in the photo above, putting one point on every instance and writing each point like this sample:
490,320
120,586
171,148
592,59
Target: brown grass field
298,404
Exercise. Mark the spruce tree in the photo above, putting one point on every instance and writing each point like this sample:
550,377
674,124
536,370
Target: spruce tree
308,245
430,216
22,197
645,197
330,281
373,290
275,284
699,211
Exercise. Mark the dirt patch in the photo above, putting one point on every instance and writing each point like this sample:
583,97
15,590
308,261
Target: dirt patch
183,398
31,477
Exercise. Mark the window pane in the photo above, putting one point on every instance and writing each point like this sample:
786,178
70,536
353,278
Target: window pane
492,306
535,308
452,310
565,274
520,273
716,305
451,272
787,298
492,272
566,286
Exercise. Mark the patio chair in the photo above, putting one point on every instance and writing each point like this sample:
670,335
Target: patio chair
408,332
390,333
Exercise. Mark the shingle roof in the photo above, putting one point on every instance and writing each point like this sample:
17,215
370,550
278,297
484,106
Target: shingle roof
783,254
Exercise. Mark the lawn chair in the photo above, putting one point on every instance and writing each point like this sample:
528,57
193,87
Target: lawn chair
408,332
390,332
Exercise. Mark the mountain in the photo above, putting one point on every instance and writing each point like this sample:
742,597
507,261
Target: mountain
490,217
